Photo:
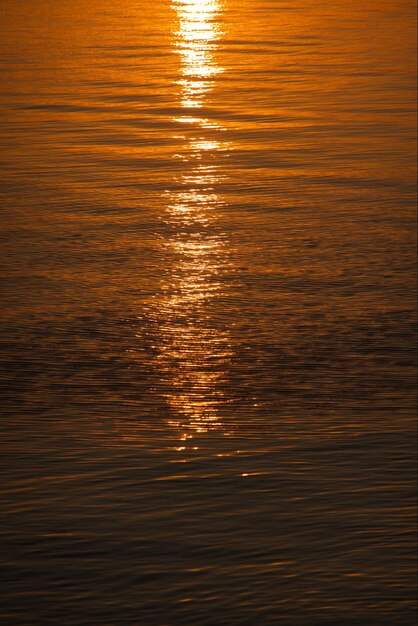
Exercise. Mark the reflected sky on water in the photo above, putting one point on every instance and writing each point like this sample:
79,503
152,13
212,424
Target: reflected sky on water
208,320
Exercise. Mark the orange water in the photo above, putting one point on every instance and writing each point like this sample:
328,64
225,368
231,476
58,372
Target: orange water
208,312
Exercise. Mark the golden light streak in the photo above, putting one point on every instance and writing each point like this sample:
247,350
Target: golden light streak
194,353
197,42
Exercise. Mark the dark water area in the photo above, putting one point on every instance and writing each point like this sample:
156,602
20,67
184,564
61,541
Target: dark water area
208,318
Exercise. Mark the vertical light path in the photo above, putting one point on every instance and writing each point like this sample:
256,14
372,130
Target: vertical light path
193,350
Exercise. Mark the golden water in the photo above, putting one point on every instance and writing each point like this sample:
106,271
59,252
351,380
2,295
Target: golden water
208,312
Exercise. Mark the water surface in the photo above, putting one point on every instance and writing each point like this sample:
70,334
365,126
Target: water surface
208,312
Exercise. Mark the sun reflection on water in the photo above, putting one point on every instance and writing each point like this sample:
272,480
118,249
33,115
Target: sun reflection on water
194,352
194,349
196,43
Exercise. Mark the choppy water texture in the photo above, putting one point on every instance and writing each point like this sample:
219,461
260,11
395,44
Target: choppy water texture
208,312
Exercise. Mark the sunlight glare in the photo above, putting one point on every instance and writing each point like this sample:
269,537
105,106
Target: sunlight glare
197,36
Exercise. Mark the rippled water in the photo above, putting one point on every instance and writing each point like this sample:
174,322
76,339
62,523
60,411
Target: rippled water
208,312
